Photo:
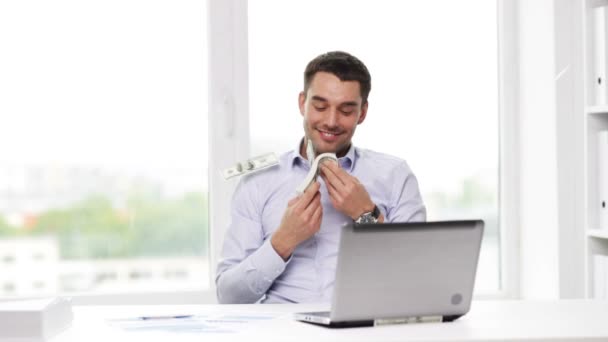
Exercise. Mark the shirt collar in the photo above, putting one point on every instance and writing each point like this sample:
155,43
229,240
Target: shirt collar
347,162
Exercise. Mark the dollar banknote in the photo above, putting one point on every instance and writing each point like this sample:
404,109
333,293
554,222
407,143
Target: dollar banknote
310,150
314,171
251,165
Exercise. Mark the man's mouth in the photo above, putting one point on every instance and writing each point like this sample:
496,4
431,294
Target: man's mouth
329,136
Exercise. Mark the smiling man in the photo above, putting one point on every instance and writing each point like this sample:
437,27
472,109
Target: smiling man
280,248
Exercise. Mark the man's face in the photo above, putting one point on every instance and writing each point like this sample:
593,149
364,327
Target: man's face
332,109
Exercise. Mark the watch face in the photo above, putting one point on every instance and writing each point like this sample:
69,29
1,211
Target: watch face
367,218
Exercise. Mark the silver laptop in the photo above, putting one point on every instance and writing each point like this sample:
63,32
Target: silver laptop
403,273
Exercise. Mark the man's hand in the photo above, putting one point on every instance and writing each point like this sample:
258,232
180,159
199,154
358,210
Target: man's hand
346,193
301,220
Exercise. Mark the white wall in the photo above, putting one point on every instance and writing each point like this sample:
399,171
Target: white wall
538,188
551,245
570,146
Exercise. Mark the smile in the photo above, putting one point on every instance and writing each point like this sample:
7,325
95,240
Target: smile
328,136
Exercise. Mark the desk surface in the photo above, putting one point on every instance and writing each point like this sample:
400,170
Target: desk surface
567,320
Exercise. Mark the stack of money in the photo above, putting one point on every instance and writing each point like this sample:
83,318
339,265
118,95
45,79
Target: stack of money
314,171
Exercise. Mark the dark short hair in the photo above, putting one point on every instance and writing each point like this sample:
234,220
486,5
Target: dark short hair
344,66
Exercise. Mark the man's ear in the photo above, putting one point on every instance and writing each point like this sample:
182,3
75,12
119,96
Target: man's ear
302,102
363,113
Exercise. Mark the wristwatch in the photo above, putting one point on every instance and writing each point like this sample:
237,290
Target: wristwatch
369,217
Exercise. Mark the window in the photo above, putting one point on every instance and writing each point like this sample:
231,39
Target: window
434,98
103,154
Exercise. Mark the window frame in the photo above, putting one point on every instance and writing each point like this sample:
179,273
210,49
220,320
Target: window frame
509,147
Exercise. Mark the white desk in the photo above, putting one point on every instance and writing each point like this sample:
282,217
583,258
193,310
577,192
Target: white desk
572,320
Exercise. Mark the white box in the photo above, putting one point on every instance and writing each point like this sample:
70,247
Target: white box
33,320
602,159
600,18
599,276
605,276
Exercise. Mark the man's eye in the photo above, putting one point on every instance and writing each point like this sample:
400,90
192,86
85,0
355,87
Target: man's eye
320,109
347,110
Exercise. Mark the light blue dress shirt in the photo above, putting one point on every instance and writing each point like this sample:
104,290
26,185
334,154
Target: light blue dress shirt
250,270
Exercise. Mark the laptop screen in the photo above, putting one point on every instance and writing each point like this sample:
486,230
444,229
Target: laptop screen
395,270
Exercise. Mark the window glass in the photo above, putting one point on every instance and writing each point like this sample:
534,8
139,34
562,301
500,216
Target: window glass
103,146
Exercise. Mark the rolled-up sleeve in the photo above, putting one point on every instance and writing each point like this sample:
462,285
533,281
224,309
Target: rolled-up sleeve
249,264
407,204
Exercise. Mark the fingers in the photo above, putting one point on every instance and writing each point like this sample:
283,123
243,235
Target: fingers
332,181
317,215
334,194
330,162
312,205
335,197
308,195
338,174
330,174
310,192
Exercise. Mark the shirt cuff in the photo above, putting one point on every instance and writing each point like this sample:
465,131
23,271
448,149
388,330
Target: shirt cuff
268,262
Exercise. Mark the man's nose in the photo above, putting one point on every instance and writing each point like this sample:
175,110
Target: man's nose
332,118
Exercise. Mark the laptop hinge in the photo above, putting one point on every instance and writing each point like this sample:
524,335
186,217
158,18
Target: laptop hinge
409,320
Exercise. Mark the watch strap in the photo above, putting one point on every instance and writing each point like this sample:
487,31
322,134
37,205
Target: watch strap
376,212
